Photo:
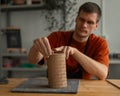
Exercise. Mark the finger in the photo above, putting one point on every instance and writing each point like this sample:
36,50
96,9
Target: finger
44,47
37,44
32,54
67,51
47,44
59,49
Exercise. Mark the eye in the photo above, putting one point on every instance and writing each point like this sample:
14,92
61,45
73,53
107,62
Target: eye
90,22
81,20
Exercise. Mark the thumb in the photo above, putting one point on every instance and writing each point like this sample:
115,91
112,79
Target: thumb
59,49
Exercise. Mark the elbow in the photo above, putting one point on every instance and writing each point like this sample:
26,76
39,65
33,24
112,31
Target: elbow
103,75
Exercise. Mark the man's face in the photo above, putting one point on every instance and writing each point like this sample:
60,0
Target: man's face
86,23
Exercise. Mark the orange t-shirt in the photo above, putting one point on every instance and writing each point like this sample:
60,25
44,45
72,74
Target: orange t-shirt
97,49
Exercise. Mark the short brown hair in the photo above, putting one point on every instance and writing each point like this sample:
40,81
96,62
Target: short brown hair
91,7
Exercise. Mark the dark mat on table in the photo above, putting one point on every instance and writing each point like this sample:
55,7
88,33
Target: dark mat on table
40,85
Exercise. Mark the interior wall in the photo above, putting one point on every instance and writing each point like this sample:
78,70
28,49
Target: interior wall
33,23
111,24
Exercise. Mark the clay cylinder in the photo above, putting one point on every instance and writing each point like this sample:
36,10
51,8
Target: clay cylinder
57,71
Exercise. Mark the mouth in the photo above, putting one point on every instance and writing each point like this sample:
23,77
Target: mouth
83,31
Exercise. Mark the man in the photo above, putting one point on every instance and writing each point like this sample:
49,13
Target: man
87,55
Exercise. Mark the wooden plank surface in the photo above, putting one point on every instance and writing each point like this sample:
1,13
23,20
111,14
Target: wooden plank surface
86,88
114,82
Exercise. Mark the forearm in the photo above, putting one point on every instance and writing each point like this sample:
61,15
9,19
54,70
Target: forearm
34,56
91,66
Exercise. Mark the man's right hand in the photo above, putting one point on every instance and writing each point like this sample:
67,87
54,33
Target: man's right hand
34,55
43,46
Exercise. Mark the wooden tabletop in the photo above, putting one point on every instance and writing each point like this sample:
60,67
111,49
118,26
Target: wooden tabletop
114,82
86,88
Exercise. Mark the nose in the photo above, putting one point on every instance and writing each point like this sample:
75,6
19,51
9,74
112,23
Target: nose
84,24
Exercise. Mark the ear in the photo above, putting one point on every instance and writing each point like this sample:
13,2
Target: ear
76,19
96,26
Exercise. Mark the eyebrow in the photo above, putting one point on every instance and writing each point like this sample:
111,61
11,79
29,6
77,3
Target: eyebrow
89,21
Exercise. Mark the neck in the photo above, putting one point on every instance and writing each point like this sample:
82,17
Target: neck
80,38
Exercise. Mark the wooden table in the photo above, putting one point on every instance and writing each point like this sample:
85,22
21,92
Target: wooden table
86,88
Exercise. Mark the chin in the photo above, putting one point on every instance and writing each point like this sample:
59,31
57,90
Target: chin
82,35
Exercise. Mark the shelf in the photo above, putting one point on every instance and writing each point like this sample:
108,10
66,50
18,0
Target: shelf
15,54
17,59
23,7
114,61
26,69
